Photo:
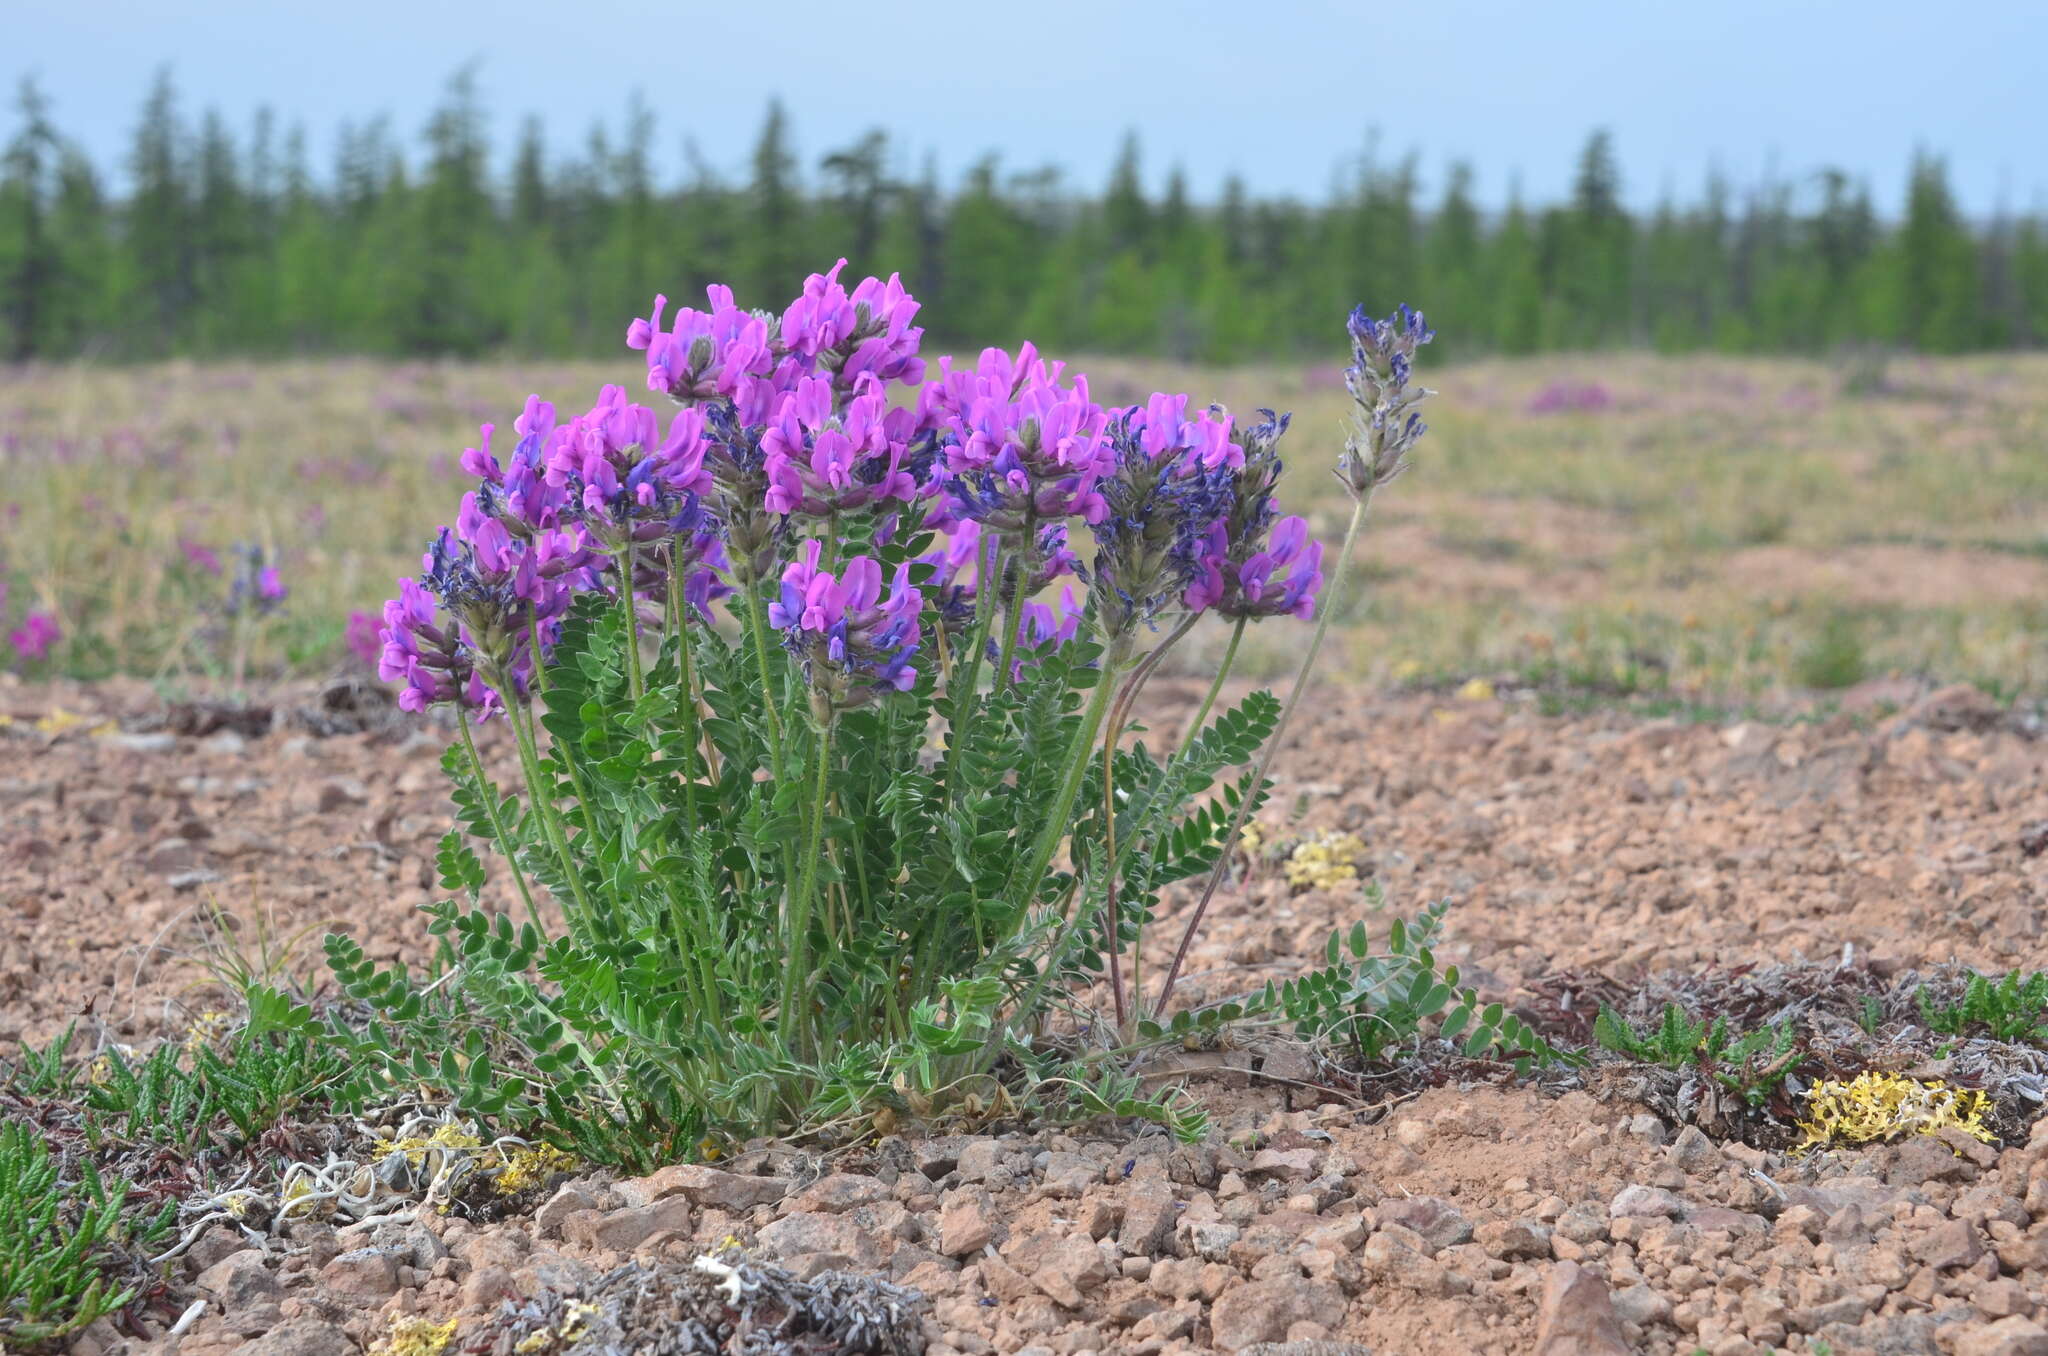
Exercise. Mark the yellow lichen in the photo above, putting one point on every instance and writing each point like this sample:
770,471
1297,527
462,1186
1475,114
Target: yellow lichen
412,1335
525,1166
1326,860
416,1147
1882,1106
1476,690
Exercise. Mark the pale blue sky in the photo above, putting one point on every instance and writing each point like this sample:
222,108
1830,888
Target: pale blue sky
1279,91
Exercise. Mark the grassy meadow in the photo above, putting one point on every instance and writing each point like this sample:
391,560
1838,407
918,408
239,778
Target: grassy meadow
1708,528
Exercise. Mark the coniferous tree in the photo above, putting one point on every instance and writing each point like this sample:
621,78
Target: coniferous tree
30,258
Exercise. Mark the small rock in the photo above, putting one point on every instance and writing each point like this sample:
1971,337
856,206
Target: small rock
2014,1336
830,1235
240,1279
558,1207
362,1274
1577,1318
1645,1202
1437,1221
967,1221
1692,1152
299,1337
1262,1311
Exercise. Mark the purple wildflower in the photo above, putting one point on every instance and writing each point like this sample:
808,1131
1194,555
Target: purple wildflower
257,586
1020,449
34,637
1247,550
1388,419
820,462
1168,495
200,557
361,638
865,334
853,643
1042,628
704,353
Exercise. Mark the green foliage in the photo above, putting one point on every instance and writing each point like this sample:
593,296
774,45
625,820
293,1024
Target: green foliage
686,997
2014,1008
1377,1003
187,1102
1835,657
63,1235
1753,1065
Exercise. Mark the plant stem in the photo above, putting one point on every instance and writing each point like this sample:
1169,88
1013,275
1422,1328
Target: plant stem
635,684
1194,731
687,697
490,796
1331,598
967,671
1056,824
544,806
798,951
759,629
1112,924
1015,610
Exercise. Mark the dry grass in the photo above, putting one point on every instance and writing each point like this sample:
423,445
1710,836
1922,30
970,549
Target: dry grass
1722,526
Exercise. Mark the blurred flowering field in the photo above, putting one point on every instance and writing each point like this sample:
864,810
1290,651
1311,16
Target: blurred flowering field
1711,529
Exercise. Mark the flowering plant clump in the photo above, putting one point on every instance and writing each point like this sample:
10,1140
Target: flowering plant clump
826,782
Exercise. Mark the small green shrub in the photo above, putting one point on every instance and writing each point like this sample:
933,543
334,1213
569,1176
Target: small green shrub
190,1100
2014,1008
1752,1065
1835,657
63,1239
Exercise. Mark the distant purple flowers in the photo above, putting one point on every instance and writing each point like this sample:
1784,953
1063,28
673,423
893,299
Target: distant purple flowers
1571,397
34,637
805,446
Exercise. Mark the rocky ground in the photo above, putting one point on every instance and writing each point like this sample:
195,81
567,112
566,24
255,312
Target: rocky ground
1327,1213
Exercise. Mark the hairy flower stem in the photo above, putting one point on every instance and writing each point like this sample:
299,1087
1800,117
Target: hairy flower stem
544,807
1194,731
490,799
1015,610
758,627
1332,596
795,1021
636,685
1112,924
1076,762
966,676
1119,716
687,699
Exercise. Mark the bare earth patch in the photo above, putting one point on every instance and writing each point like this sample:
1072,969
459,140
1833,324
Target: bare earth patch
1481,1215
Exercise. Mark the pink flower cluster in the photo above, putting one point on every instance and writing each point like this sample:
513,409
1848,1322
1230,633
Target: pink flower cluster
809,434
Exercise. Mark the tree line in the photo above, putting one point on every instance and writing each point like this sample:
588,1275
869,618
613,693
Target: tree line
232,242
